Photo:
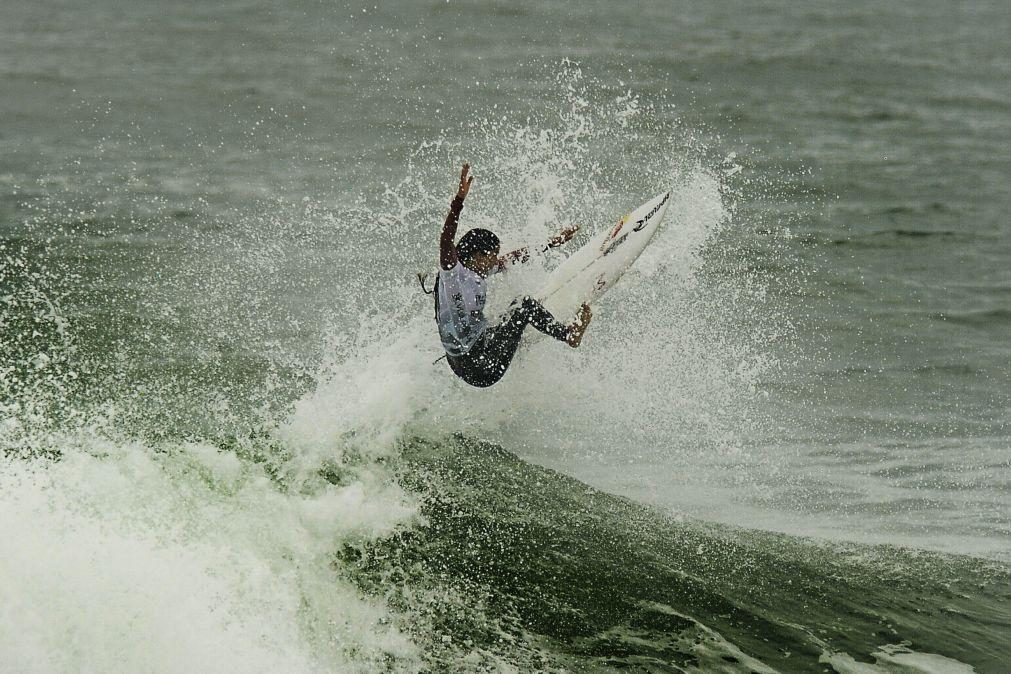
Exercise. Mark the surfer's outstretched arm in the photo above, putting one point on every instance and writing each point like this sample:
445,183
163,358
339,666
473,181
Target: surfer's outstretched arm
447,246
521,255
562,236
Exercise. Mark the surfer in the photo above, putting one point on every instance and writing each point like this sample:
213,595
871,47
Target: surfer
476,352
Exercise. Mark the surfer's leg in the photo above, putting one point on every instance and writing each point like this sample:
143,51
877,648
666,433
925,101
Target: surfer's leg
501,341
533,312
489,359
500,347
479,367
539,317
474,371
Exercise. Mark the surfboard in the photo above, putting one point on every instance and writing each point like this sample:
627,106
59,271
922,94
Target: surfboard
594,269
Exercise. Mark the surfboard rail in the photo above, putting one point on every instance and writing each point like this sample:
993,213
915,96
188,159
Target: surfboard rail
591,271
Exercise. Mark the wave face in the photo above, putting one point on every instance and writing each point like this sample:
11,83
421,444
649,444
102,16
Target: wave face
518,564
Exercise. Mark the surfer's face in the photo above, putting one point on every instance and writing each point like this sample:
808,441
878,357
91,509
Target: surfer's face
482,263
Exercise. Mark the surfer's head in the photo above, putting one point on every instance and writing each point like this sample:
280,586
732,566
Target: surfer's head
478,250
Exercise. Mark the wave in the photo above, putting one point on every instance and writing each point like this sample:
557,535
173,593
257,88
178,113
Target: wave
519,564
444,553
186,486
897,237
983,318
354,536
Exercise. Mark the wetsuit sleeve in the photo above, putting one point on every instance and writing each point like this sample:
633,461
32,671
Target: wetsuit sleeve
447,246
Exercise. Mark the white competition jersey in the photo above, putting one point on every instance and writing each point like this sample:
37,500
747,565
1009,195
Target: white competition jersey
459,309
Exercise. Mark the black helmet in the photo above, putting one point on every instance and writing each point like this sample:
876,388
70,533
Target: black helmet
477,241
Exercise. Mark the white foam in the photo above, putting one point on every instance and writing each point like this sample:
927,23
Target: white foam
118,558
896,659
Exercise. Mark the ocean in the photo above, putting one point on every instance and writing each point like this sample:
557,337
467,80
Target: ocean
228,444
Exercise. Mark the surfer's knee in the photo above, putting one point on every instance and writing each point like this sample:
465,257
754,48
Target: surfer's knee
522,306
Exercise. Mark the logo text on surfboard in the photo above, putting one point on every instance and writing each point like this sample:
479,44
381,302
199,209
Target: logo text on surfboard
639,224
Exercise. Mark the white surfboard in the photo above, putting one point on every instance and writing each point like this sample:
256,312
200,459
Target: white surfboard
593,269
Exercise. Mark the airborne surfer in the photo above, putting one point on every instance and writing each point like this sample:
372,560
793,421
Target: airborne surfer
476,352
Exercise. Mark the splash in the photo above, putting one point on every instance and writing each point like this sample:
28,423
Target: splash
251,374
668,368
180,559
124,551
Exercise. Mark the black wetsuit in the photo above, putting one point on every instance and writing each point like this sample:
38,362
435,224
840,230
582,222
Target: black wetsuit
486,361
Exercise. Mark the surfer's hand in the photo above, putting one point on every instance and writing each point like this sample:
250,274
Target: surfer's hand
578,327
563,236
465,181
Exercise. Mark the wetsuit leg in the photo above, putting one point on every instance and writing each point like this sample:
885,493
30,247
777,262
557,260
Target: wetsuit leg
476,367
529,312
490,358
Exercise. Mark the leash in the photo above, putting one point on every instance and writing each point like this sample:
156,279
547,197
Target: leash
421,282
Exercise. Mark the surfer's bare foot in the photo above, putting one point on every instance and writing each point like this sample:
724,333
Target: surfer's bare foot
578,326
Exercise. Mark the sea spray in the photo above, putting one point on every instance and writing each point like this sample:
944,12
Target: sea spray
672,363
119,550
123,556
257,371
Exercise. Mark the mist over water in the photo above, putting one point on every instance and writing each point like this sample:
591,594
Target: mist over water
215,352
